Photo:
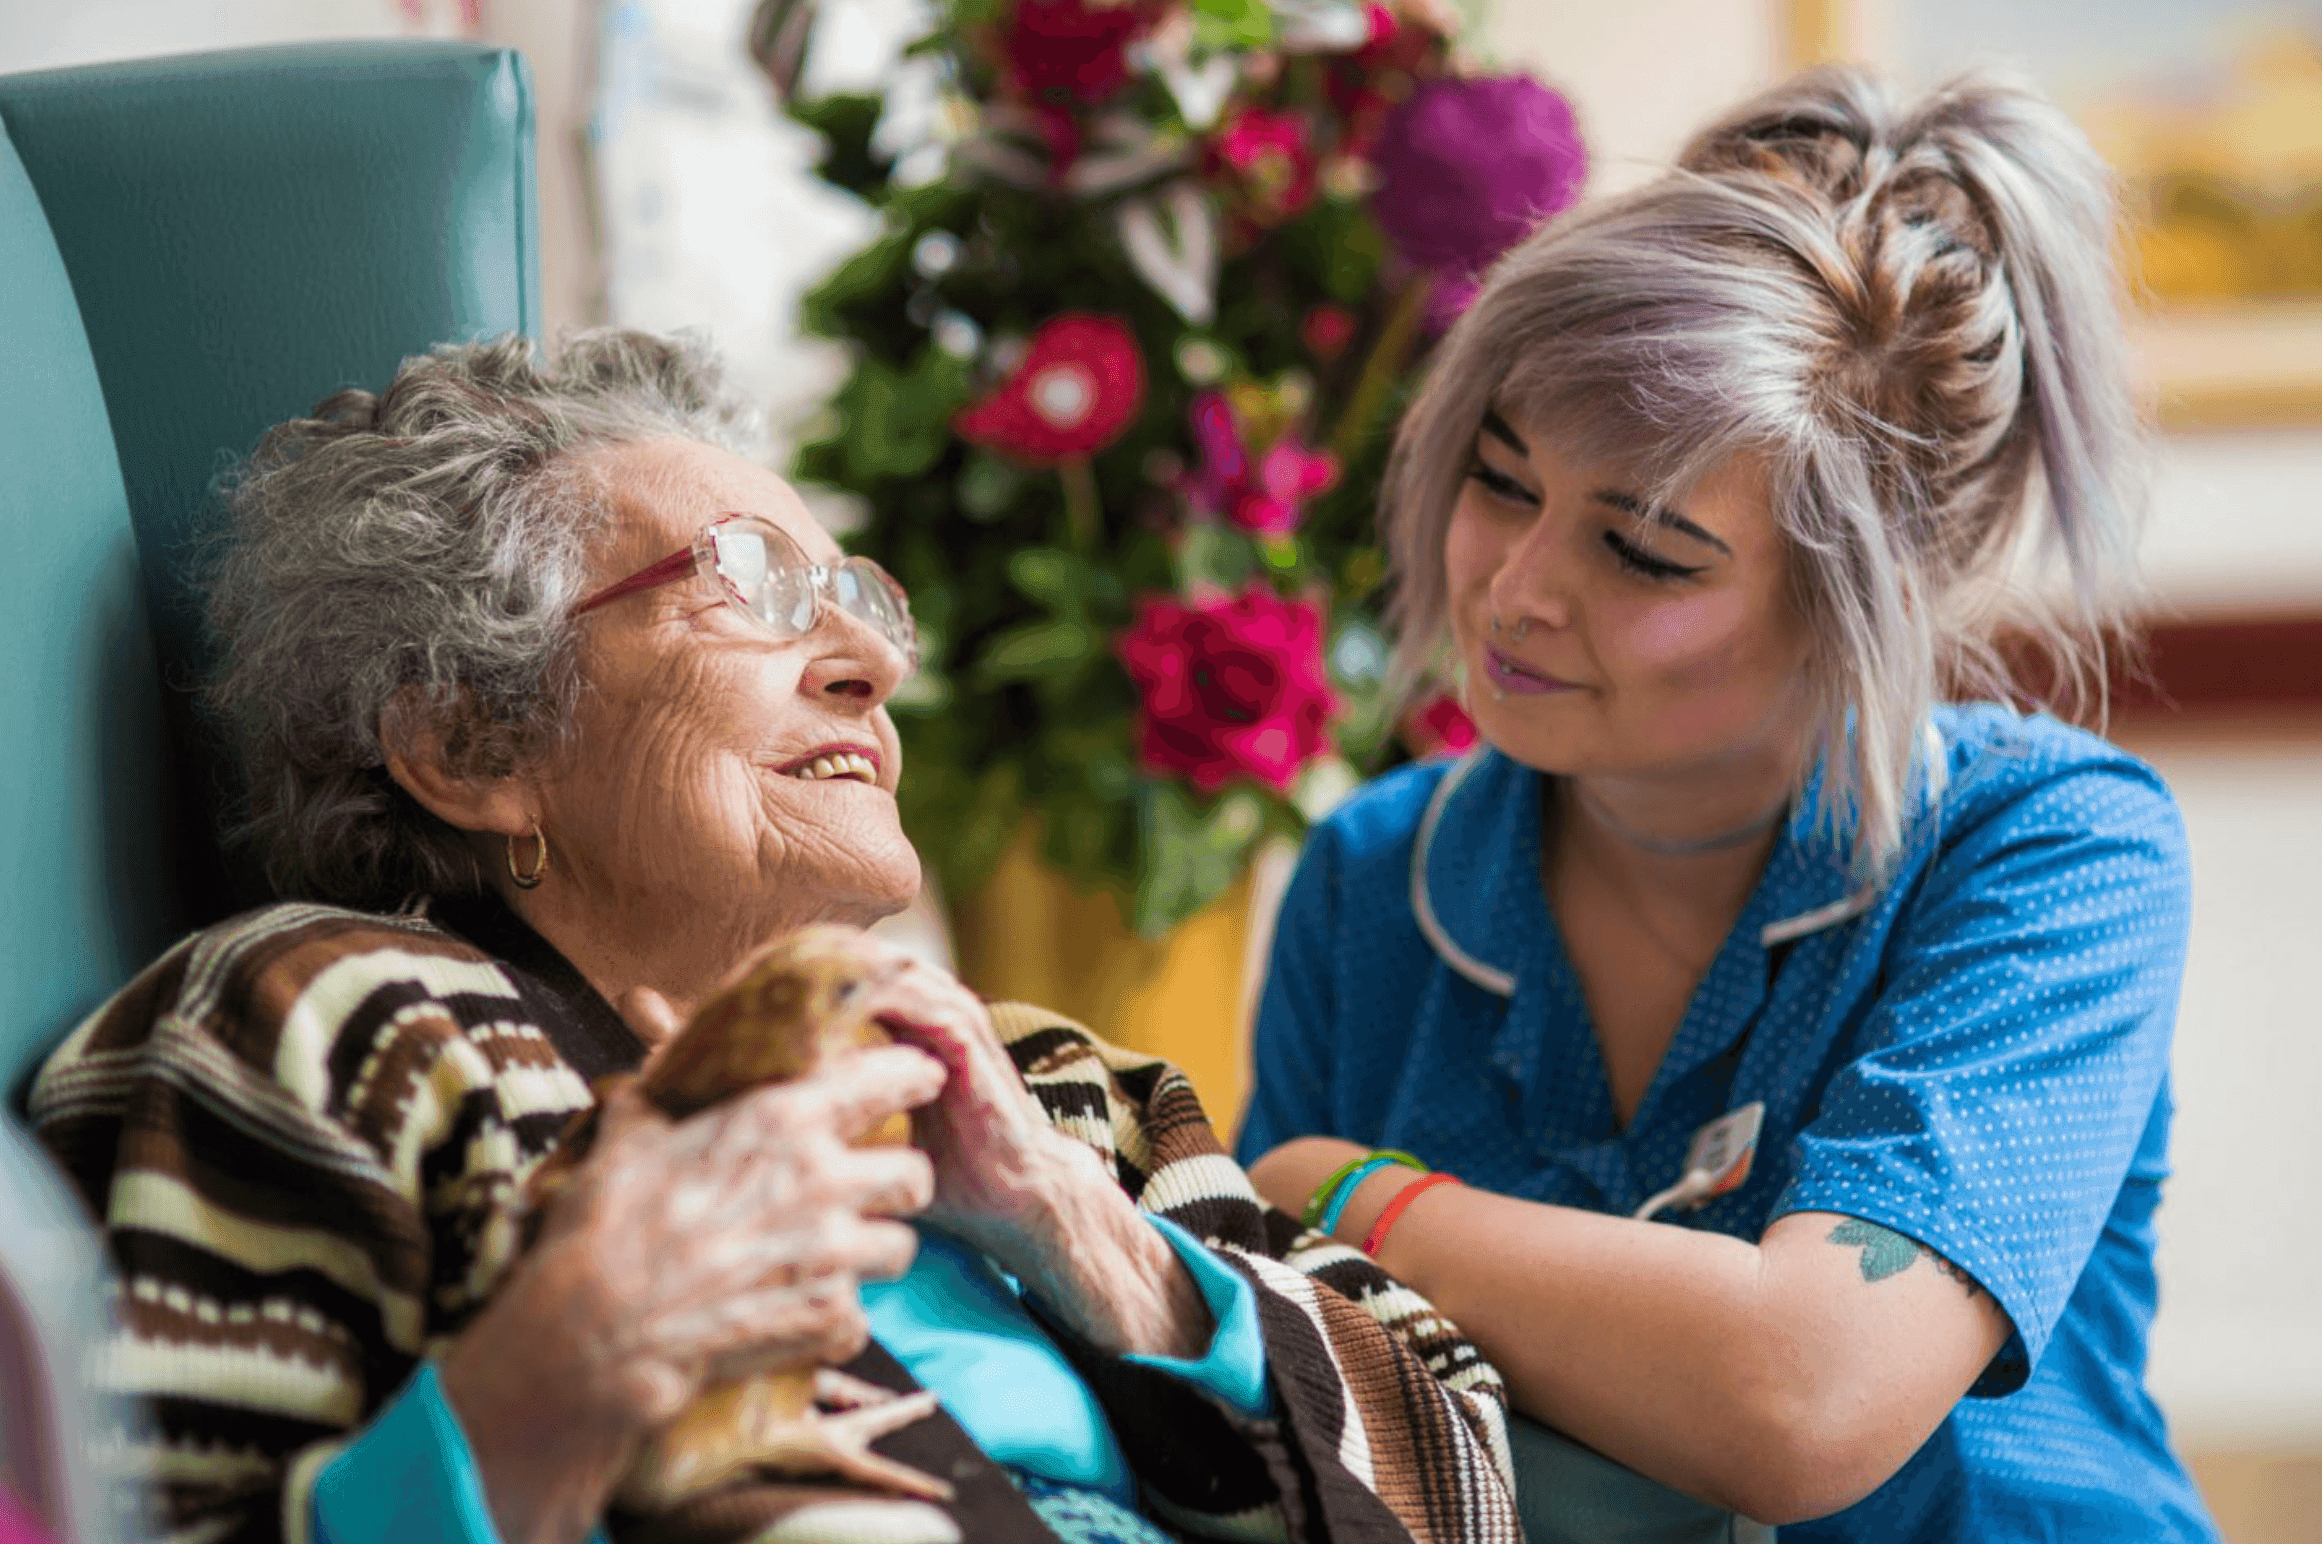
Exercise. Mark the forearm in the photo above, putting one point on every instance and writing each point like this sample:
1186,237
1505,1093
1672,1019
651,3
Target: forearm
1728,1370
1651,1344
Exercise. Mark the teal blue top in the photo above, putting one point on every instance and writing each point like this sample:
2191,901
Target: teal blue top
954,1319
959,1323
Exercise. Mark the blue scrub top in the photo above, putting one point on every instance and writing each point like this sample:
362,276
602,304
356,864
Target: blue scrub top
1974,1054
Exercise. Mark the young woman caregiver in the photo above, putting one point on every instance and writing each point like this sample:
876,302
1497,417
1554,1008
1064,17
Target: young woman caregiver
1798,1037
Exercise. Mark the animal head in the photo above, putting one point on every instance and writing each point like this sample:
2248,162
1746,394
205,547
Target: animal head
792,1003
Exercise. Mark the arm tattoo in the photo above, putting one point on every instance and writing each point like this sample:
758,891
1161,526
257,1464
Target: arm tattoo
1884,1252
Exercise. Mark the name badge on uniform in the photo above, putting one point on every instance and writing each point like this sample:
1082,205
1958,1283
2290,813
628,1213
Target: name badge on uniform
1716,1162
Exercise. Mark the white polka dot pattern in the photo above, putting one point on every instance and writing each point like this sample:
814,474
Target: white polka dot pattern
1978,1060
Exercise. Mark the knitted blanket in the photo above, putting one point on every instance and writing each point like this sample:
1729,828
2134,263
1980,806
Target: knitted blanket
305,1133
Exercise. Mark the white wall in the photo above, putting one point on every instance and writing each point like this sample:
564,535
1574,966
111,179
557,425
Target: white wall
2237,1356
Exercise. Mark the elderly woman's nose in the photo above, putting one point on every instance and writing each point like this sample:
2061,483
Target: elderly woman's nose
852,658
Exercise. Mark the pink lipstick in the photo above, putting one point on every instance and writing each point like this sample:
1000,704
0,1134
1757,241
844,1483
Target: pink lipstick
1516,681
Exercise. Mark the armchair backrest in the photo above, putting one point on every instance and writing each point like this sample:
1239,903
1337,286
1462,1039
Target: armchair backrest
192,250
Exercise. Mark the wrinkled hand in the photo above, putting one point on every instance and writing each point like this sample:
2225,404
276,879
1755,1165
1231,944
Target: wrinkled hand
1041,1204
738,1236
1001,1170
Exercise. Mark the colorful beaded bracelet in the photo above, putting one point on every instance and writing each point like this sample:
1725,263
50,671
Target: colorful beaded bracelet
1403,1198
1354,1182
1323,1193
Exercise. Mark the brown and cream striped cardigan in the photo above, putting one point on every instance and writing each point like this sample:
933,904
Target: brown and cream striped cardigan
305,1130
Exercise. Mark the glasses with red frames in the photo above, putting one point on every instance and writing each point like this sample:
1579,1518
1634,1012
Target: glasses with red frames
767,577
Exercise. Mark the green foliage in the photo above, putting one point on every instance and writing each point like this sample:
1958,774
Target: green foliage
1022,707
1222,26
845,124
1195,852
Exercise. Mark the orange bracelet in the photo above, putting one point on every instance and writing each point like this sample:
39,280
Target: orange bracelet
1403,1198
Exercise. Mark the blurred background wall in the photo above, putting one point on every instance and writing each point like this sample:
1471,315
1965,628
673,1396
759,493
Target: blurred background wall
674,195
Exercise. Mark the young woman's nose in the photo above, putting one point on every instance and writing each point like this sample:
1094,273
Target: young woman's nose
1534,577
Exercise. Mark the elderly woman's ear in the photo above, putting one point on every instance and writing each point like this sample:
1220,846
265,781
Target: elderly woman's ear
424,740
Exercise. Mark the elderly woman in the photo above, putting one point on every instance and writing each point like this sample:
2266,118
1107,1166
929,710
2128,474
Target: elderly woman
1715,494
553,710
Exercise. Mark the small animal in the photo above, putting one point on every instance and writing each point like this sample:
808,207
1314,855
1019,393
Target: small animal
800,999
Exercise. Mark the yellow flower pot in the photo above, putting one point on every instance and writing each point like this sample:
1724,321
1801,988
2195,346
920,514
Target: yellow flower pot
1032,934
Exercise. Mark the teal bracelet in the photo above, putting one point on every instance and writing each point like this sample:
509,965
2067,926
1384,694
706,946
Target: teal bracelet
1354,1182
1311,1216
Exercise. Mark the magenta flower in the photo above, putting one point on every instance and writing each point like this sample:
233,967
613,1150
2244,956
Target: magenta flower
1267,159
1441,727
1466,169
1264,493
1229,688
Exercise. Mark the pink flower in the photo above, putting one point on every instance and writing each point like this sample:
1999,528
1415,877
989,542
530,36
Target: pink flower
1080,386
1268,159
1442,727
1233,688
1266,498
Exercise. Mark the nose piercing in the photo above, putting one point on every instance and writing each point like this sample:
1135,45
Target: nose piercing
1523,626
1497,628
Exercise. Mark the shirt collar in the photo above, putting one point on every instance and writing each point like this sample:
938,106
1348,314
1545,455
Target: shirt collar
1484,819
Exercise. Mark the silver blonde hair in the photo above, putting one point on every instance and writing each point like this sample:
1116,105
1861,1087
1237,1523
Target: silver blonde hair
1911,313
431,536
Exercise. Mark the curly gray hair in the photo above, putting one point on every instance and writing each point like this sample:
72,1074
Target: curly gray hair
420,550
1911,313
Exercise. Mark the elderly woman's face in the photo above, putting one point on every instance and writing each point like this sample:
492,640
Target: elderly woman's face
1626,648
716,767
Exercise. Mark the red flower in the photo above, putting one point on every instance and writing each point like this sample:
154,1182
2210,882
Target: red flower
1442,727
1080,385
1071,50
1326,329
1268,159
1264,494
1231,689
1364,86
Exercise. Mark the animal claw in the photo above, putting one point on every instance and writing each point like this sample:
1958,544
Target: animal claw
845,1443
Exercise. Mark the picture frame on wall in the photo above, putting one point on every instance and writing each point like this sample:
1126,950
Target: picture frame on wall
2212,113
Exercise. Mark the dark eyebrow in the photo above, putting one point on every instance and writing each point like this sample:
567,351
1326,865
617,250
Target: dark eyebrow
1629,504
1497,427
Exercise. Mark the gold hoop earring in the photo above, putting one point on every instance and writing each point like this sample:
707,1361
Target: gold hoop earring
529,879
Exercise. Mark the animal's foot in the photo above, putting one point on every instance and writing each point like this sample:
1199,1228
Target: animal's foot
838,1390
840,1442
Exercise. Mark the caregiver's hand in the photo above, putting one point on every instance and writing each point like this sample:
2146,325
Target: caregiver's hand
678,1248
1036,1201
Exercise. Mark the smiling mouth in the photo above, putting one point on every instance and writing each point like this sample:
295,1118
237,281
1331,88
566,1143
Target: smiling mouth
834,766
1509,676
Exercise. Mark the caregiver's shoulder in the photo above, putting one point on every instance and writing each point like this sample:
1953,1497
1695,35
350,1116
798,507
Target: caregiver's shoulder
1379,820
2010,768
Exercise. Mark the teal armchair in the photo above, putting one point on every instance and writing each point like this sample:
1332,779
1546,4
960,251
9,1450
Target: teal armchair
192,249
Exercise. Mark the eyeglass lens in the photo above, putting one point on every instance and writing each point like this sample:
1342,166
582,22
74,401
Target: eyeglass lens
781,594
